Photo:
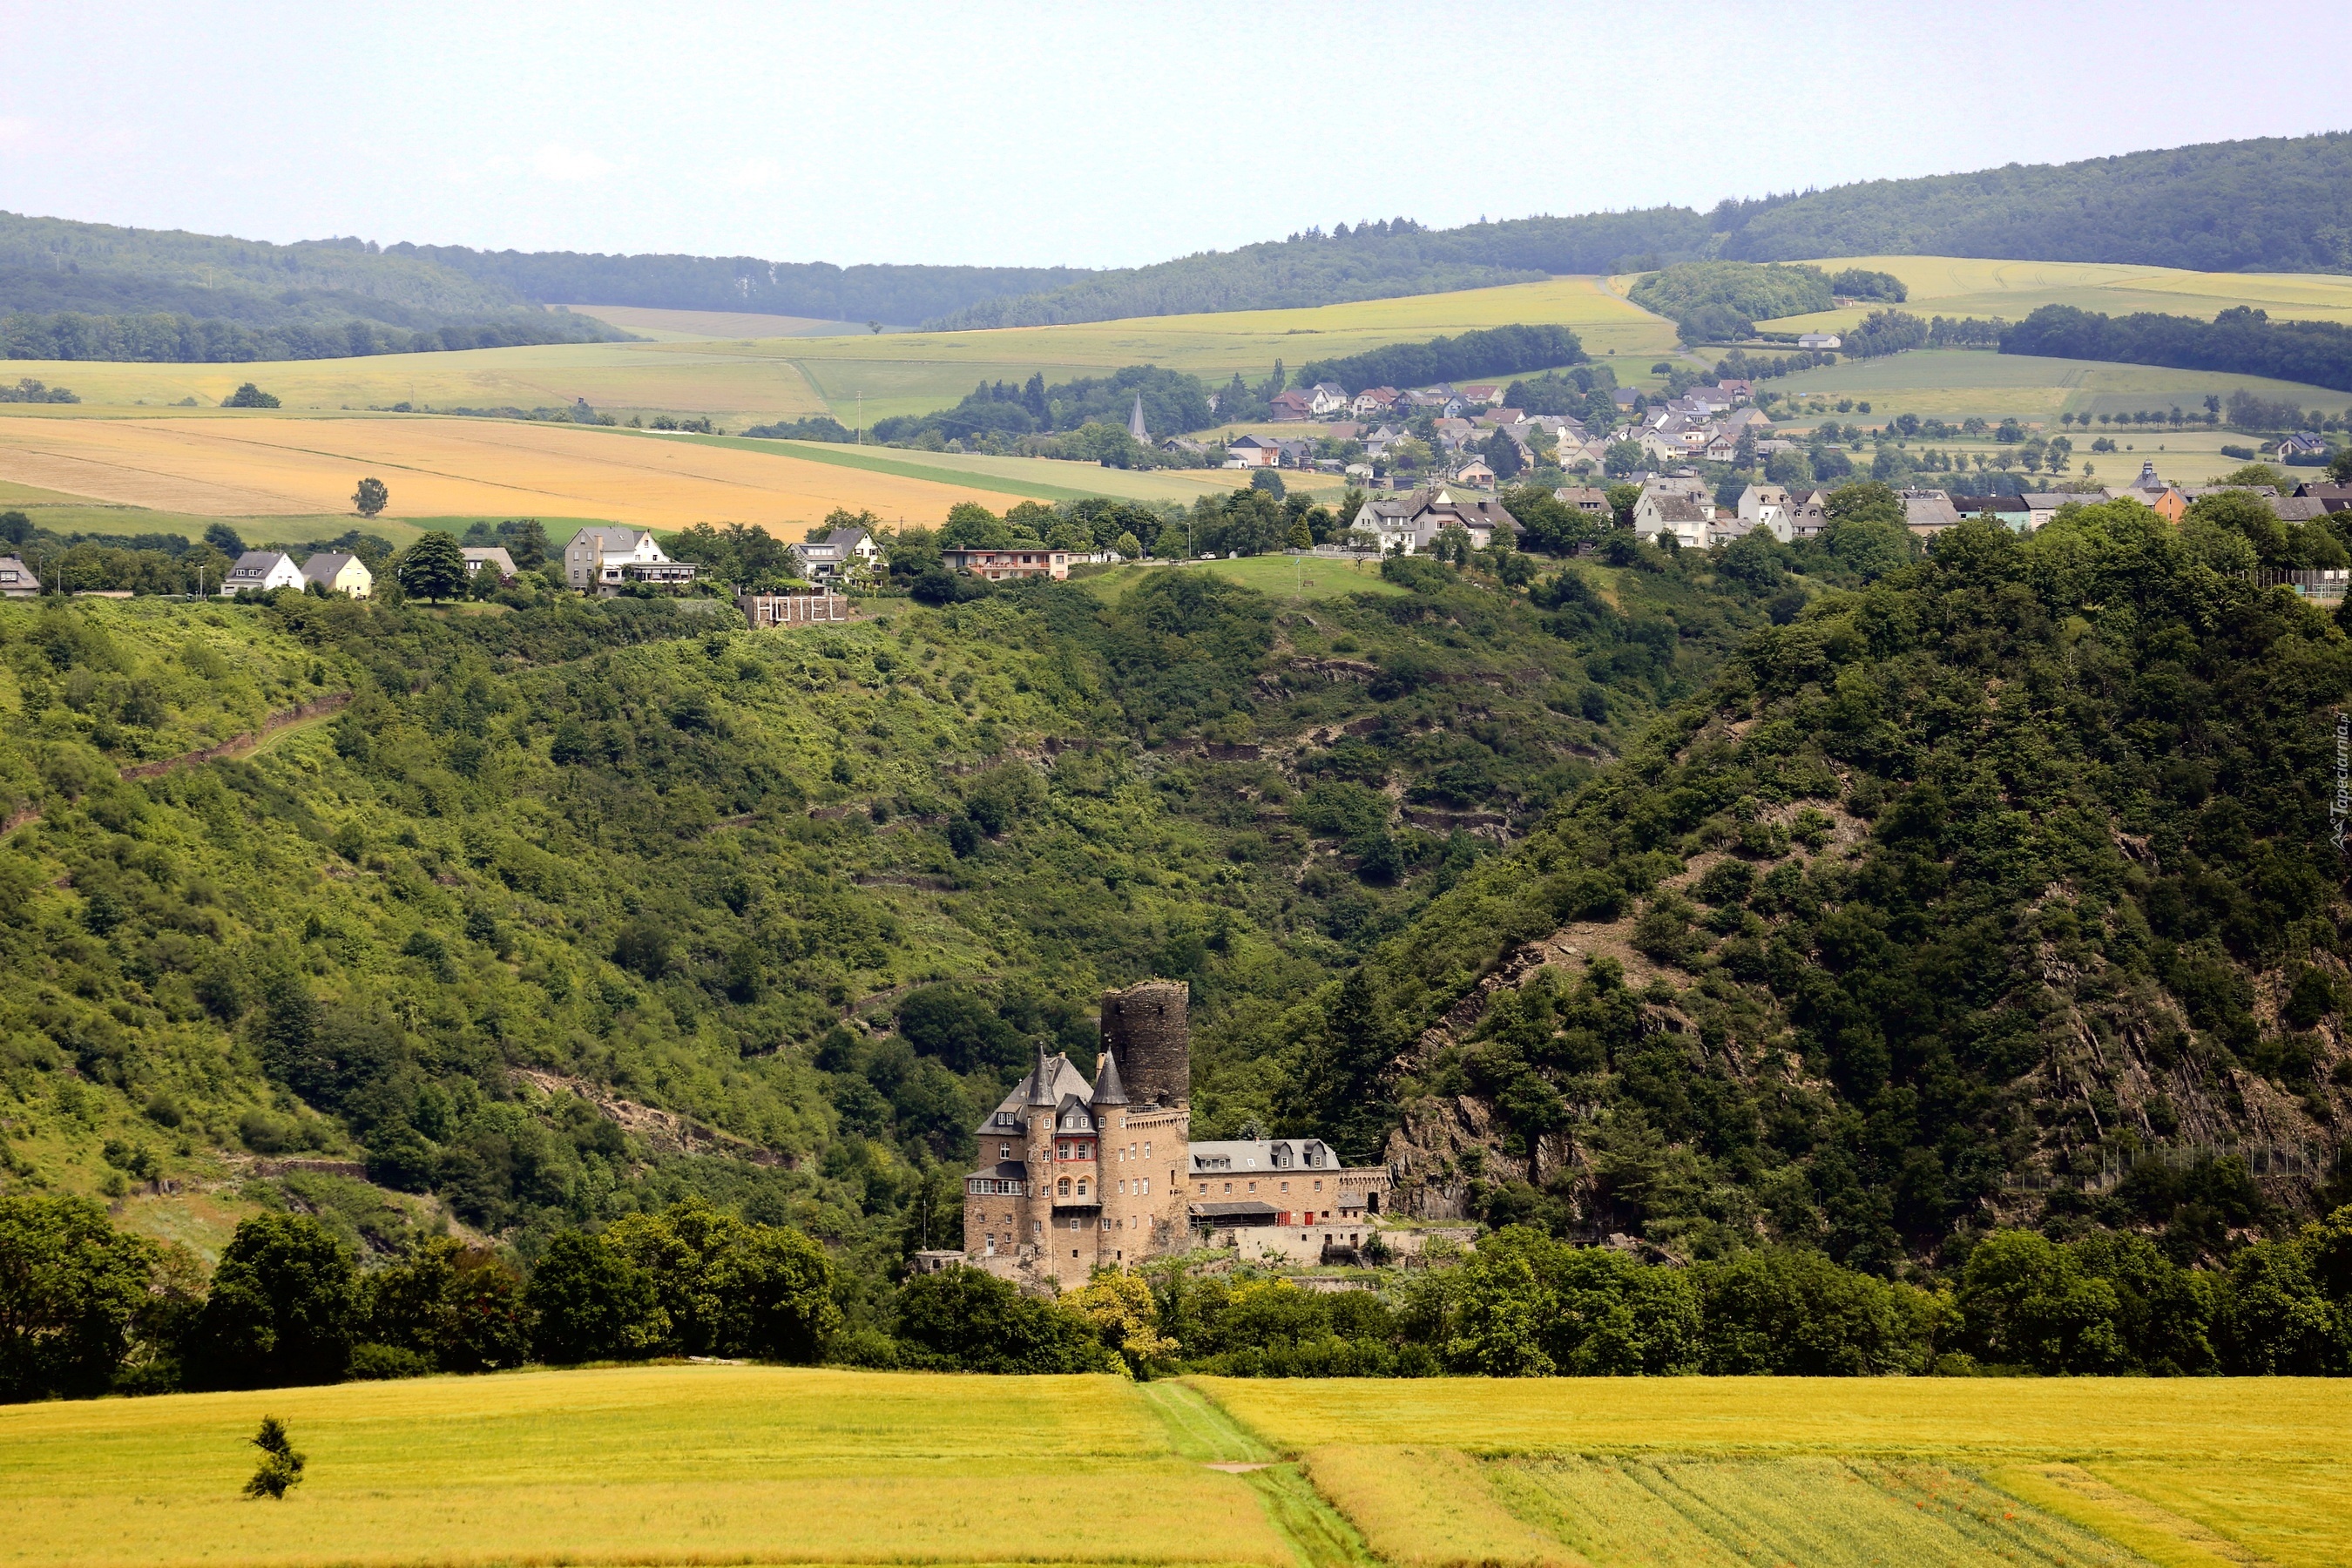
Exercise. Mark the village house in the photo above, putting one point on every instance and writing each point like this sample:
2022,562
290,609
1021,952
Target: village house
1484,392
841,553
336,573
2161,496
1665,513
1818,341
606,559
2302,444
1809,515
1289,405
1475,472
1586,498
261,570
1409,524
493,556
16,579
1739,391
1326,398
1251,452
2041,505
1013,561
1929,513
2335,498
1373,402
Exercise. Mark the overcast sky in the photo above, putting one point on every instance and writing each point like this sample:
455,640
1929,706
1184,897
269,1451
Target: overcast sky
1092,135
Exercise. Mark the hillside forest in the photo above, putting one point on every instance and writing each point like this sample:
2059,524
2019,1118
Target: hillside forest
1839,913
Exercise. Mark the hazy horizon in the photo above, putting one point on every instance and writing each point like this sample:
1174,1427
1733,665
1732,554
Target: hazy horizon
1046,135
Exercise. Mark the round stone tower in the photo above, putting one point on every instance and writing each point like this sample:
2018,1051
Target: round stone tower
1146,1029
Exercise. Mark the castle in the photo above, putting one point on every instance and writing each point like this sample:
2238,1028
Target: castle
1073,1176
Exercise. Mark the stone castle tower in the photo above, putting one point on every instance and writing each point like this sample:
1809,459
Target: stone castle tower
1073,1176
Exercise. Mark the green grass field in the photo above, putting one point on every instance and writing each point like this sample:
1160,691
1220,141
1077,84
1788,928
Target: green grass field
709,1464
1275,576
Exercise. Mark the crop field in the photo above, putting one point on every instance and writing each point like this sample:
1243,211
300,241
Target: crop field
1748,1469
1957,285
265,466
678,1464
1956,382
702,326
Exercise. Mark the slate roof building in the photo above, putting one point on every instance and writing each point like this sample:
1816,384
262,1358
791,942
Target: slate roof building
337,572
1411,522
261,570
16,579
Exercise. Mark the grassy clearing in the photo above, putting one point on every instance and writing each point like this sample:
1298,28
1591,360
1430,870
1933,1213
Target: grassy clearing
647,1465
1277,576
1955,382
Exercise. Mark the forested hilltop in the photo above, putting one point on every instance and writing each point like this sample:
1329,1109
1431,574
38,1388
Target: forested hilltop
87,290
2273,204
2001,891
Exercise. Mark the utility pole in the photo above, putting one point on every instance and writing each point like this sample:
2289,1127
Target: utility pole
861,416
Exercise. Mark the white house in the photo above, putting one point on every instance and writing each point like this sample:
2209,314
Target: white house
336,573
1818,340
1326,398
16,579
1374,400
1411,522
261,570
840,552
605,560
1664,513
1756,498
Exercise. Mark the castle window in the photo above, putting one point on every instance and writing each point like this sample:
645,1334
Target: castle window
1229,1186
1285,1187
1147,1151
1318,1186
1063,1189
1061,1152
1204,1189
1144,1187
1004,1150
1082,1187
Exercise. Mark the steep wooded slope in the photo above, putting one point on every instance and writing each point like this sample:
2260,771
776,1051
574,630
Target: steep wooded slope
2005,874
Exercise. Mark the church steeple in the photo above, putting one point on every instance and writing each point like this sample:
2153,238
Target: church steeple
1135,421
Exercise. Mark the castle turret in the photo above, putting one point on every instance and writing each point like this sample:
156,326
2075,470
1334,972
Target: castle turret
1146,1027
1107,1089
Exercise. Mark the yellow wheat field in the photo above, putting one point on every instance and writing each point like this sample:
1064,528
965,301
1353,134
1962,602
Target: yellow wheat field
2258,1468
277,467
656,1465
1961,286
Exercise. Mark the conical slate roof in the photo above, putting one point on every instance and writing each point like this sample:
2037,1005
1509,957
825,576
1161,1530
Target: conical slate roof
1041,1081
1135,421
1108,1090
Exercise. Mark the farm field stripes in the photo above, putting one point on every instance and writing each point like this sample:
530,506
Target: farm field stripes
630,1466
702,326
1960,286
1956,382
2094,1420
448,467
1730,1513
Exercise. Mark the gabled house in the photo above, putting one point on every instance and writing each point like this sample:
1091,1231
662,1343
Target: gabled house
1251,452
1016,561
16,579
2041,505
1475,472
494,557
1929,513
2303,444
336,573
841,553
1411,524
1663,512
1289,405
1809,514
1374,400
1756,498
606,559
2334,497
1723,446
1324,399
1586,499
1818,341
1739,391
261,570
